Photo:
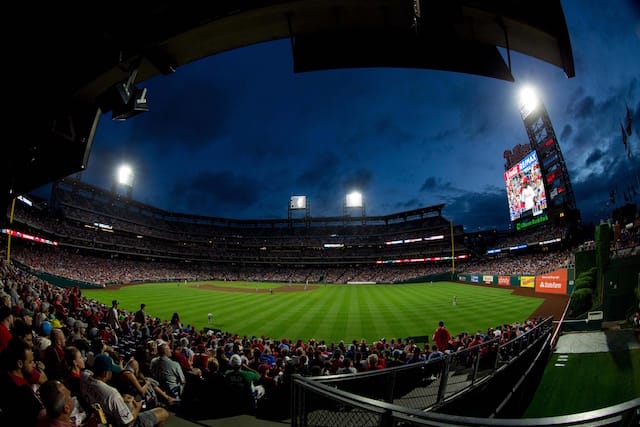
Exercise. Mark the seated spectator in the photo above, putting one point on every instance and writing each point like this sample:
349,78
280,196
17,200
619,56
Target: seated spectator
347,367
374,363
6,323
179,356
60,406
166,371
19,404
148,389
54,355
435,353
121,410
24,333
201,358
74,366
77,337
242,385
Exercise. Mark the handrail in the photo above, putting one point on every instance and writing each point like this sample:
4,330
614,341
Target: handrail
556,333
416,417
623,414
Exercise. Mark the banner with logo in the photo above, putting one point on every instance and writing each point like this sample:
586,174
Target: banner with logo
504,280
527,281
474,279
487,279
552,283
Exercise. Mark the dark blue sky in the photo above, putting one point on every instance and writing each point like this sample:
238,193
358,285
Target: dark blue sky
235,135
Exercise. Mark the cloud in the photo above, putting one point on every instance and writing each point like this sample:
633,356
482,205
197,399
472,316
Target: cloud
437,185
584,108
358,180
409,204
434,183
321,172
595,156
479,210
190,117
221,193
566,132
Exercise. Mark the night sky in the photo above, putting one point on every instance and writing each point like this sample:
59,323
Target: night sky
236,134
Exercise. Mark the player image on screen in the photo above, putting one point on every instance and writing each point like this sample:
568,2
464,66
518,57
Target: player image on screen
525,188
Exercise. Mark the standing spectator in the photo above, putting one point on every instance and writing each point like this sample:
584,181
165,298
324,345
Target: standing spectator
441,337
141,319
176,325
112,317
140,316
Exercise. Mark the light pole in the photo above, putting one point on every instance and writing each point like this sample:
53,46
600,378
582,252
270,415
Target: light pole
124,178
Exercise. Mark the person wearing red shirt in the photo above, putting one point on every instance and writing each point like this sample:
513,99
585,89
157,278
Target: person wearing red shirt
441,337
19,404
6,323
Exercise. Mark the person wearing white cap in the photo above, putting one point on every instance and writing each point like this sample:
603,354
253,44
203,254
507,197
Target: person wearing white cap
241,380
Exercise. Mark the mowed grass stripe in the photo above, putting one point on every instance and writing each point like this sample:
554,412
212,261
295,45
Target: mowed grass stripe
396,309
331,312
289,321
311,306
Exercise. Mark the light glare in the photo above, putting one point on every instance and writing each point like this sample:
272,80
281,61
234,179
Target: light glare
125,175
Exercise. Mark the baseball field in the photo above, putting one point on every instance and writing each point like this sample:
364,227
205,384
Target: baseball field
328,312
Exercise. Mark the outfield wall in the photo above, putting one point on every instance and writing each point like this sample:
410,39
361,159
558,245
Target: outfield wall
559,282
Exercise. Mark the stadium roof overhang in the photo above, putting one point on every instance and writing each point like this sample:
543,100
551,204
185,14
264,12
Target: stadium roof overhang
65,78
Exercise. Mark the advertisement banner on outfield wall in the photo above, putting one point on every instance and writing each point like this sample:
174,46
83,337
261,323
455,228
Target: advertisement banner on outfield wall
527,281
474,279
487,279
504,280
552,283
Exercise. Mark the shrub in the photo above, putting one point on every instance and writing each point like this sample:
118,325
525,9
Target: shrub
581,301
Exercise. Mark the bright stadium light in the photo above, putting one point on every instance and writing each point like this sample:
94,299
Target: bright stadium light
529,101
125,175
354,200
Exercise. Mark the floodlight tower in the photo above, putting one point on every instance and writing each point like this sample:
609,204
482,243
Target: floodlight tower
354,200
299,203
543,140
124,179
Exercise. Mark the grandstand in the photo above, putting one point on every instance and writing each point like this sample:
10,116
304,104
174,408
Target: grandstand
86,221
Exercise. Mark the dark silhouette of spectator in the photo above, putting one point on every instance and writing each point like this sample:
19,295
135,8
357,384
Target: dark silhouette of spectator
6,323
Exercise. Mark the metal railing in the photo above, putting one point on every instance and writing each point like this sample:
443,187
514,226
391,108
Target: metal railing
407,395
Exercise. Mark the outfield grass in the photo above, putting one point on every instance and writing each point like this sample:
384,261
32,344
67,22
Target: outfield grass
329,312
588,381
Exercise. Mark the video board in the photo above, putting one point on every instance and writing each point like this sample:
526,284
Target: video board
525,188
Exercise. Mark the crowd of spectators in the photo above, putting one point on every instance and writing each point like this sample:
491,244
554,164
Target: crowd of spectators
57,345
102,270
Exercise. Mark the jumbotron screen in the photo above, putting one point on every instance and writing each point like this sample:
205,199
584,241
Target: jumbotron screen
525,188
